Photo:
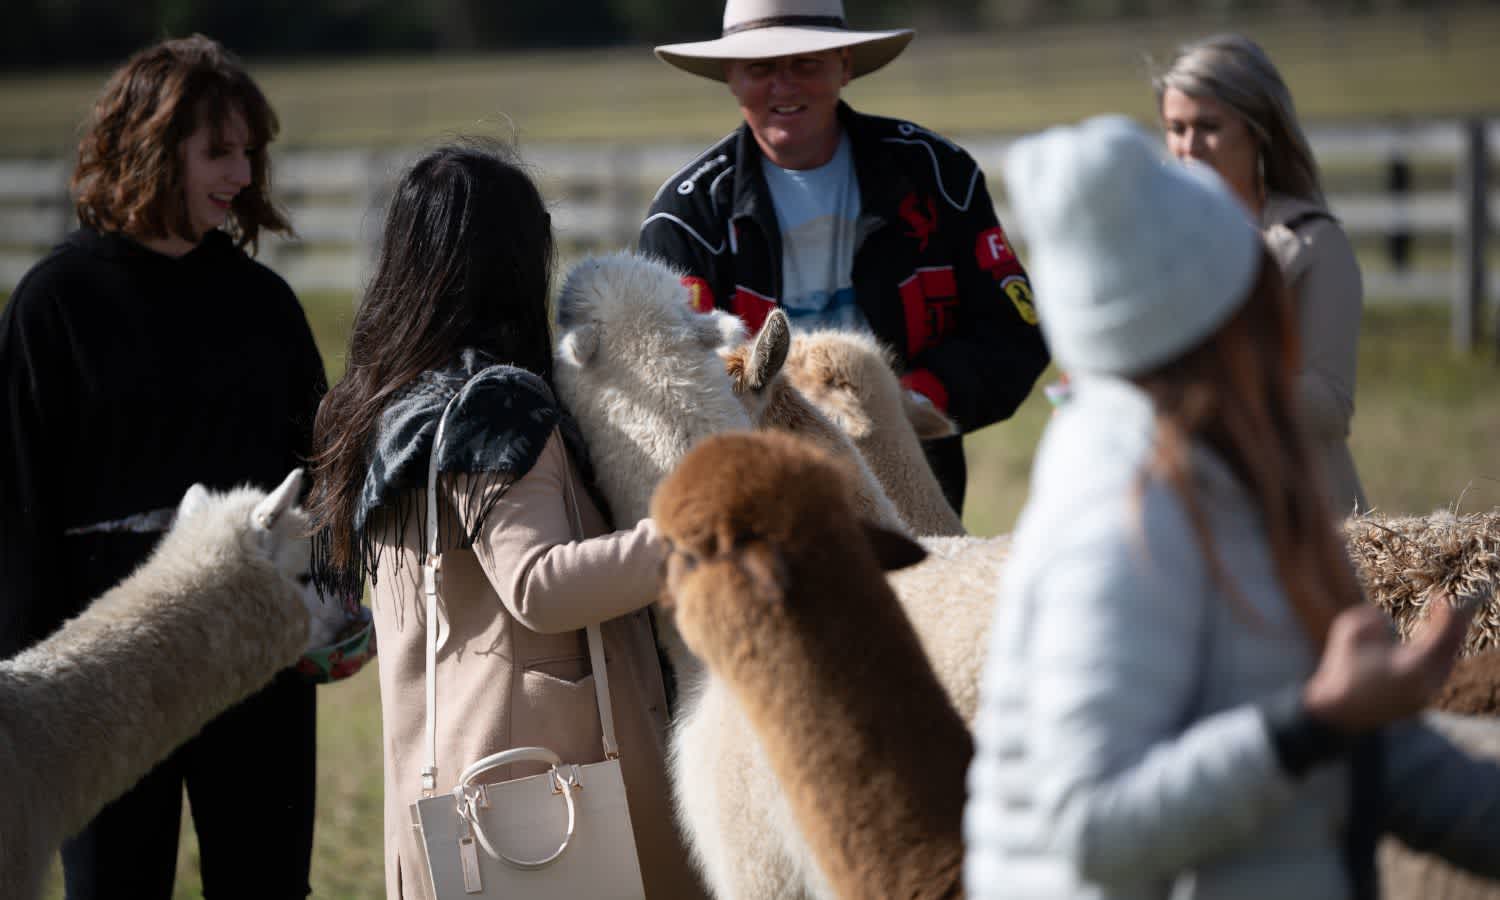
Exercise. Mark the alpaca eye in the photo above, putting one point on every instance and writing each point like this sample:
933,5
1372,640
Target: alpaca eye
304,579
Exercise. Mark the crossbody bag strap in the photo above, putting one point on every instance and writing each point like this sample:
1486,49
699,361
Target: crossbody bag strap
596,639
431,577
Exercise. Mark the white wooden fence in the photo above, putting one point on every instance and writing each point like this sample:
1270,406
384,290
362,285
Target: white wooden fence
599,193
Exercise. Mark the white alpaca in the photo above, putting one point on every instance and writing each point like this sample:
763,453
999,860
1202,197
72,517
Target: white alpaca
755,372
223,603
849,376
640,371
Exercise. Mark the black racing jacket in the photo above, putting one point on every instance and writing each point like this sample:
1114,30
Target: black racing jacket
934,273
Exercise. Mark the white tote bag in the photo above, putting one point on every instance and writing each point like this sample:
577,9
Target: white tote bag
562,835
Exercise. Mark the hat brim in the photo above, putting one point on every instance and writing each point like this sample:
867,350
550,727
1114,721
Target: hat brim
869,50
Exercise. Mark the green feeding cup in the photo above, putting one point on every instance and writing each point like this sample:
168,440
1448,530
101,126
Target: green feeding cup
349,652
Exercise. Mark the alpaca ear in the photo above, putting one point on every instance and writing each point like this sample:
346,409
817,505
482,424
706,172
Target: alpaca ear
928,421
579,346
194,500
769,353
269,510
894,549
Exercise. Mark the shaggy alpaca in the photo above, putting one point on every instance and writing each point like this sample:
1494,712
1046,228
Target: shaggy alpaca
640,371
1400,557
849,376
771,402
220,607
782,594
1409,875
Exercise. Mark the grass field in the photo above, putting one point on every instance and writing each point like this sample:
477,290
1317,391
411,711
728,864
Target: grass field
1339,68
1426,434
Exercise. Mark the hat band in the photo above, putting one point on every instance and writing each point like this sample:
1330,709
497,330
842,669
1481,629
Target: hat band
774,21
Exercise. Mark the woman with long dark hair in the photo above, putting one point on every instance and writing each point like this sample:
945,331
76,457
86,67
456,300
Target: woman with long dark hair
147,352
456,314
1185,694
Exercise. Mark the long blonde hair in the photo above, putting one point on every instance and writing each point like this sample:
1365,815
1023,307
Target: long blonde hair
1234,394
1234,70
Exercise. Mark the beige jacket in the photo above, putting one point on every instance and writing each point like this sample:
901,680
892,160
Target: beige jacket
515,670
1318,264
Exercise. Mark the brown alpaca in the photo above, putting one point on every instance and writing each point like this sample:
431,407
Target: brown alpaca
1473,688
781,592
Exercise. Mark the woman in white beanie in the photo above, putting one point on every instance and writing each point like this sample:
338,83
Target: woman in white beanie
1185,695
1223,103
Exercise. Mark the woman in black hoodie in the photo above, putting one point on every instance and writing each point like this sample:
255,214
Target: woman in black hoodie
145,353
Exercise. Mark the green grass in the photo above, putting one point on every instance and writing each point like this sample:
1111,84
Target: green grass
1388,66
1425,434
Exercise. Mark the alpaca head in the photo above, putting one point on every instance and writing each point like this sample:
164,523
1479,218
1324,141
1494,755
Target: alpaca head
639,370
272,528
611,307
749,516
850,376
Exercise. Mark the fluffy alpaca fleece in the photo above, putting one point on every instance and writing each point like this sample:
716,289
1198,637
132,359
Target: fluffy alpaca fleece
735,815
640,371
782,594
1399,558
771,402
1409,875
849,376
735,818
220,607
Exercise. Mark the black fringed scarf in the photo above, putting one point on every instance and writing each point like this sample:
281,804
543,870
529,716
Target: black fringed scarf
500,420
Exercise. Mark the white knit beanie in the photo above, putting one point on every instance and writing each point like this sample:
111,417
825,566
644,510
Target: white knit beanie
1135,258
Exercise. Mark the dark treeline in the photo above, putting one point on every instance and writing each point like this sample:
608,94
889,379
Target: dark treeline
45,33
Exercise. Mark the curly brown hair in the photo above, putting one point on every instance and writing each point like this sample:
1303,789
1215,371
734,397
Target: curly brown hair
129,175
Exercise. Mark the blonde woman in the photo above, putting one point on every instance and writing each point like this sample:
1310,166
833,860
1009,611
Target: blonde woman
1223,103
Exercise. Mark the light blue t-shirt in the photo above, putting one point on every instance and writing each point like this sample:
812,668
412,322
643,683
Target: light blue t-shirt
816,210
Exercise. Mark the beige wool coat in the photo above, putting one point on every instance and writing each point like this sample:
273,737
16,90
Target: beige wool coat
515,670
1318,264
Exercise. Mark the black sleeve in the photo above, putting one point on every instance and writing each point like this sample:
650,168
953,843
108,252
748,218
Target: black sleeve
35,371
988,364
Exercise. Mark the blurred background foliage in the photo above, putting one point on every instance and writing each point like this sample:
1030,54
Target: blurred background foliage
47,33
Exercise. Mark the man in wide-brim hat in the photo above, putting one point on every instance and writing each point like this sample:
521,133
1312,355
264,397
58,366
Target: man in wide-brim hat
850,221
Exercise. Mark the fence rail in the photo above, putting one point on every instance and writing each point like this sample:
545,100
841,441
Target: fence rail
598,194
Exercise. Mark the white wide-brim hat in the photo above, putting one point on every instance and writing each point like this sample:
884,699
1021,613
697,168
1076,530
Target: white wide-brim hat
1135,258
761,29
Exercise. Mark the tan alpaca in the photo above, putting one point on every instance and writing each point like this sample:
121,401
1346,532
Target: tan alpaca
849,377
781,593
755,372
220,607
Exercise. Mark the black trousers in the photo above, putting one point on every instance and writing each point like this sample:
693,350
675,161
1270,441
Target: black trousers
946,457
250,777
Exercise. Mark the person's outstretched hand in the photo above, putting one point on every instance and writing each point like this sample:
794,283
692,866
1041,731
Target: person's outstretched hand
1367,678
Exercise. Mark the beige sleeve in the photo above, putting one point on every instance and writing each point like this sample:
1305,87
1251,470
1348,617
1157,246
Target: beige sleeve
547,579
1320,268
